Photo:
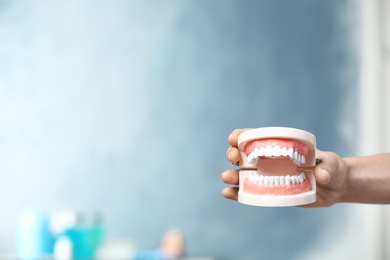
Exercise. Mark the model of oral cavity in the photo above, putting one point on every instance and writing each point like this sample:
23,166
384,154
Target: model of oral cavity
276,177
276,167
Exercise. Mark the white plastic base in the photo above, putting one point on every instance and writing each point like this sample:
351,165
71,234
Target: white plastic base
277,201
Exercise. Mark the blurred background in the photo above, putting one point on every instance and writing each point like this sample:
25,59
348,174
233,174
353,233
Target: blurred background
123,108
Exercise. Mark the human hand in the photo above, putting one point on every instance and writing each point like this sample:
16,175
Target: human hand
233,155
330,175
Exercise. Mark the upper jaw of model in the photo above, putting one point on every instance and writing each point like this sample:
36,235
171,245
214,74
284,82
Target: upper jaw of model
276,148
275,161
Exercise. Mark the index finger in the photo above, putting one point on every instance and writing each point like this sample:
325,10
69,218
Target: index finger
233,137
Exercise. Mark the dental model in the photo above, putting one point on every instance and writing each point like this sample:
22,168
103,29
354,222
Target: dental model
276,167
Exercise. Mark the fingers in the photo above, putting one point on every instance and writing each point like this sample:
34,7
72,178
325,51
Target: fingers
232,153
230,177
324,171
233,137
230,193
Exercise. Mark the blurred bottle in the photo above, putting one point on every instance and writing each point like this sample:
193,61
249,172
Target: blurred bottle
78,233
61,222
33,236
63,248
98,231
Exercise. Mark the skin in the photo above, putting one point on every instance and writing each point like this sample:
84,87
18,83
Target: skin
363,179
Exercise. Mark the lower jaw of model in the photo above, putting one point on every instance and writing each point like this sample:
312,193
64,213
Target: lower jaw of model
276,178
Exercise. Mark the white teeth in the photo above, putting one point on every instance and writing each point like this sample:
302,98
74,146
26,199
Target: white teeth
257,152
276,180
292,178
262,151
276,151
297,158
271,180
266,180
268,150
291,152
251,158
250,177
284,151
261,180
288,180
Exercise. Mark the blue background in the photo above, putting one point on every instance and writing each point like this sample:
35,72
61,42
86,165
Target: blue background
124,107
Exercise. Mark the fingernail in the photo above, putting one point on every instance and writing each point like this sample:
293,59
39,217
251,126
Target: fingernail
230,156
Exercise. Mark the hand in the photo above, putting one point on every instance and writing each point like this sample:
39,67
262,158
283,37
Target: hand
233,155
331,175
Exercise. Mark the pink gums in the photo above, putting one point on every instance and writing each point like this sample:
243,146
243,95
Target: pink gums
276,189
298,146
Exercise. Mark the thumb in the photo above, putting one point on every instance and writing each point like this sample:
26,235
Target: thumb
325,170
